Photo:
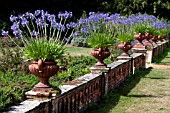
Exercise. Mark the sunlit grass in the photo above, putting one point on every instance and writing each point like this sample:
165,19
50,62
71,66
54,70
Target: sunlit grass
147,92
74,51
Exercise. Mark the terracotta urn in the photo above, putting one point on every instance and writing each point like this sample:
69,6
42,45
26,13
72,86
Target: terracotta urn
125,47
140,37
148,36
100,54
154,39
43,70
160,38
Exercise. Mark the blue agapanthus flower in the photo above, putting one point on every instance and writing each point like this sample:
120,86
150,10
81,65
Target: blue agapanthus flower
4,33
35,33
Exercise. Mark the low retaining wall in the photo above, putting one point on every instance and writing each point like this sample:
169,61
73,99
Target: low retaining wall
78,94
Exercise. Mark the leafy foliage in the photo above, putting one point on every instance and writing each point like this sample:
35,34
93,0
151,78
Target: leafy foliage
140,28
156,32
125,37
150,29
158,8
45,50
7,42
13,88
163,32
100,40
11,60
75,67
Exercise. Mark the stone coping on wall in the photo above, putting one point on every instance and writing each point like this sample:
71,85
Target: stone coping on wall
135,55
72,85
27,106
116,64
120,62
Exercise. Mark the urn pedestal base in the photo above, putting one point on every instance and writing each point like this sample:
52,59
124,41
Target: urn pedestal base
139,45
154,44
100,65
42,87
95,70
139,50
39,95
124,57
147,43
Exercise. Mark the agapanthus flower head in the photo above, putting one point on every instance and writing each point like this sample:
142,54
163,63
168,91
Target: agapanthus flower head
17,33
71,25
91,13
13,18
24,22
15,26
51,18
35,33
76,34
43,35
84,30
37,12
65,15
159,25
29,15
41,24
4,33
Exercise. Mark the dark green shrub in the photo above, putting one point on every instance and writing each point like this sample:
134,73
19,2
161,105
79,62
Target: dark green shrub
2,43
76,67
114,54
13,88
11,59
7,42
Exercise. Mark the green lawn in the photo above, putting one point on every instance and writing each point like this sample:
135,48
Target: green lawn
74,51
164,58
148,92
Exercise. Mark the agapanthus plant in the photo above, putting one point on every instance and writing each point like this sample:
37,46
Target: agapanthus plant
44,35
150,29
125,37
98,23
140,28
164,31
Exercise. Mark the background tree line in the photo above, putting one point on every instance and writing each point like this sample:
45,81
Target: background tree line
160,8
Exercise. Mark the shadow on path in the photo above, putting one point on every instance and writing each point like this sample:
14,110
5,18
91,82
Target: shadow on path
157,77
142,96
